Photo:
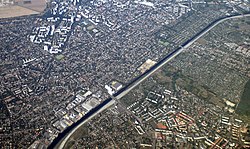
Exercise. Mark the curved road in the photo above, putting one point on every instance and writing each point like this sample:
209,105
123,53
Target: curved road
144,76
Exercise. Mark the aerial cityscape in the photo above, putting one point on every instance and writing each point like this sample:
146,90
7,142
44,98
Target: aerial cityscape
130,74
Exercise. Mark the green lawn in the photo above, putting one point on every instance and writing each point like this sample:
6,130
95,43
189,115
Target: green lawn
165,43
244,105
59,57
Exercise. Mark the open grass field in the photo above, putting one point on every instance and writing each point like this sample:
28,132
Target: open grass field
244,105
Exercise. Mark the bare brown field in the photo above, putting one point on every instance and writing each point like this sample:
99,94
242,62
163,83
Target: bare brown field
36,5
15,11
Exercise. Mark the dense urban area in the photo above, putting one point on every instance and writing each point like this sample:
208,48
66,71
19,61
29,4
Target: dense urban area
58,65
176,109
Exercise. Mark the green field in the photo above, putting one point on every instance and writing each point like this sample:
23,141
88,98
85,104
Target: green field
244,105
59,57
91,27
165,43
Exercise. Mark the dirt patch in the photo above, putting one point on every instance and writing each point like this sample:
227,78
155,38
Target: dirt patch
36,5
15,11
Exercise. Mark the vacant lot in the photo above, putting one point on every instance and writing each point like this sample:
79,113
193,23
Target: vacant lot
36,5
15,11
